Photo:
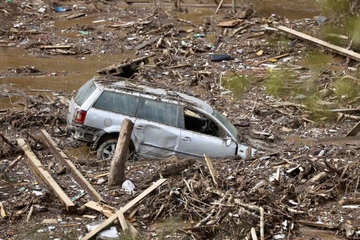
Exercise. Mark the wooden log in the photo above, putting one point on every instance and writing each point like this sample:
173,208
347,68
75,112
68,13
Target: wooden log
61,156
129,205
117,167
39,169
332,47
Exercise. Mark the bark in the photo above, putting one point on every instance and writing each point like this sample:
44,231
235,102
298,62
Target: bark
117,167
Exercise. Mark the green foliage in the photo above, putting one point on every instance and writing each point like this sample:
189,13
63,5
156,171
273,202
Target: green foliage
286,84
347,88
338,7
278,83
238,84
317,60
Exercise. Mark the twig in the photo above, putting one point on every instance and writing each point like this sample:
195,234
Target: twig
30,213
262,223
11,165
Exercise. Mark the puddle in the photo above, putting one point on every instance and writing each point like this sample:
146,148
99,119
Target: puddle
71,72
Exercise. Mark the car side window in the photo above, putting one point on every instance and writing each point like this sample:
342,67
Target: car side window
161,112
117,102
198,122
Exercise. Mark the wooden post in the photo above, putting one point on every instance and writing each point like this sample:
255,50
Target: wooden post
233,6
117,167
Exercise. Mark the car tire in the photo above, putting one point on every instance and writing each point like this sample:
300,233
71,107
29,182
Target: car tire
107,149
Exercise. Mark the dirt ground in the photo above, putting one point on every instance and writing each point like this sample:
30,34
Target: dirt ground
288,98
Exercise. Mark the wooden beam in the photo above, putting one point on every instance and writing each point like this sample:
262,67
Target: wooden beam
55,47
339,50
129,205
61,156
354,131
39,169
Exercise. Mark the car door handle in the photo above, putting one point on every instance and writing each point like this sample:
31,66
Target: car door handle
141,128
186,139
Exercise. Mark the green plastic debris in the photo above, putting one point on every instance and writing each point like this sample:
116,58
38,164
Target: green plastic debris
9,1
83,32
199,35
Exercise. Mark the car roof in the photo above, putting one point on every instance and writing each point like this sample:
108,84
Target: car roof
130,85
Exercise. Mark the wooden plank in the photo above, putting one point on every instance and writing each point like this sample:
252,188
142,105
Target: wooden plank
55,46
129,205
122,221
45,175
61,156
76,15
231,23
332,47
108,211
354,131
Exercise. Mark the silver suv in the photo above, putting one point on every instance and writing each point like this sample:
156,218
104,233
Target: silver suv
165,122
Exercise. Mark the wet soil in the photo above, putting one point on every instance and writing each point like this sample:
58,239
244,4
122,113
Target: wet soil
298,181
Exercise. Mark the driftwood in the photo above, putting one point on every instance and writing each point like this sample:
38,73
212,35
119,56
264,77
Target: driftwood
10,166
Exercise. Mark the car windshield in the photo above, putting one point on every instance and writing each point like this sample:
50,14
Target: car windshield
228,125
84,92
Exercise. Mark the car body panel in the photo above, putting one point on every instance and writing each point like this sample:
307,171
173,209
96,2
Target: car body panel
194,144
154,140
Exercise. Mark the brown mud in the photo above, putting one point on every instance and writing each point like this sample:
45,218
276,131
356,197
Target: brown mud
298,181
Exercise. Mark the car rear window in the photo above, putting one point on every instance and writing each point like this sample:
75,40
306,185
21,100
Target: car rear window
84,92
117,102
160,112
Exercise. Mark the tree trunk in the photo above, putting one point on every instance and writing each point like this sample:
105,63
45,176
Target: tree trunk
117,167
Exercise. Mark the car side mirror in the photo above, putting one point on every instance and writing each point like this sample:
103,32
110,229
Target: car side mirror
228,141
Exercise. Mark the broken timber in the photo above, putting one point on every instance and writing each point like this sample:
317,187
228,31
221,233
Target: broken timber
39,169
147,42
61,156
332,47
124,68
354,131
55,47
340,140
129,205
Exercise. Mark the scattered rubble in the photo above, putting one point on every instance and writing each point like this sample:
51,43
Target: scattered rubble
306,176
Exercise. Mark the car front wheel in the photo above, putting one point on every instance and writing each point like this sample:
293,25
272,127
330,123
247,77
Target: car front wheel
106,150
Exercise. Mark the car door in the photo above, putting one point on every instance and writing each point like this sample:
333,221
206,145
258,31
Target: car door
156,128
202,135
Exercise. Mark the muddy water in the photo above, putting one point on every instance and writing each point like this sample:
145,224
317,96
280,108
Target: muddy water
67,73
